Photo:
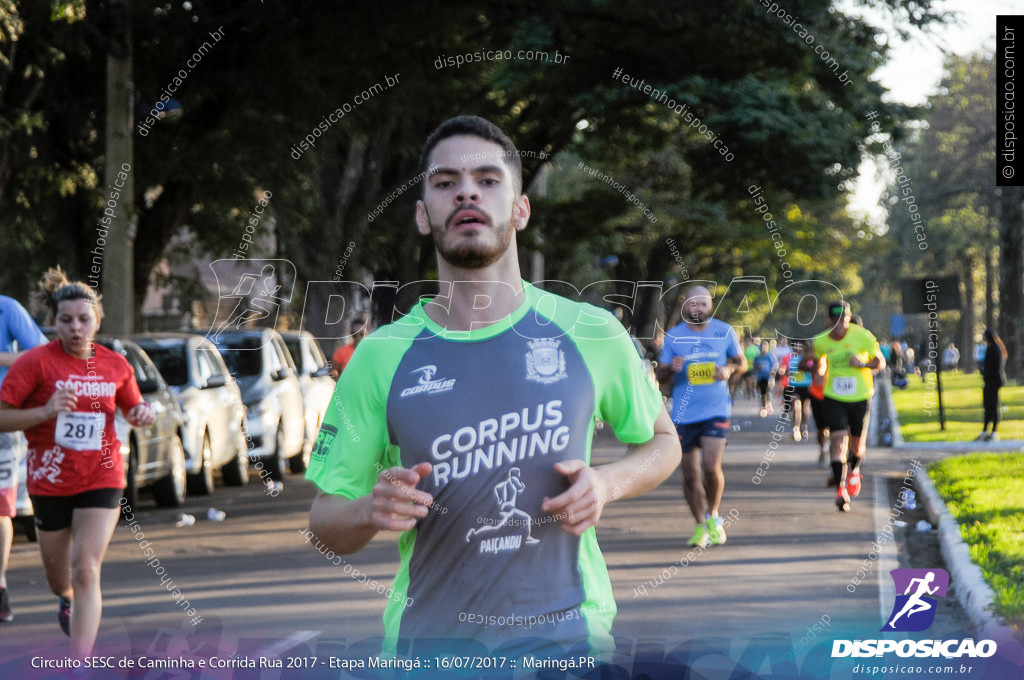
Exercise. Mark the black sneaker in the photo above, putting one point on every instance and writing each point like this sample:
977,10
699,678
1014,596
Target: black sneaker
64,615
5,606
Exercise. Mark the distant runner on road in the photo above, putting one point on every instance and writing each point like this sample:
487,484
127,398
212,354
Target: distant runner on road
699,357
797,395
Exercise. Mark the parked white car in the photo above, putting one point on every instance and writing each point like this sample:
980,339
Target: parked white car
317,388
263,367
214,430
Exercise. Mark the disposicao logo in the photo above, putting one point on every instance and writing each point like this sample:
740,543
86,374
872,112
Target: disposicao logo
914,611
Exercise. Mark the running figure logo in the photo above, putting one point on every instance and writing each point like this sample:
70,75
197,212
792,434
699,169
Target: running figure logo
914,611
255,296
507,492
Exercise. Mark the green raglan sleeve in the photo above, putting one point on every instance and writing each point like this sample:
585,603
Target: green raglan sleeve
353,446
625,398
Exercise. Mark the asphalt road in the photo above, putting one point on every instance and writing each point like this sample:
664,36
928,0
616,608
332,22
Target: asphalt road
787,579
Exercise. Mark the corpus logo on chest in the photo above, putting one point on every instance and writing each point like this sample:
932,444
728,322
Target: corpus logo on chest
426,383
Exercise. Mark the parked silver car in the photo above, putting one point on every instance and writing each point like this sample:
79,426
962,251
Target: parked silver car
211,402
317,388
263,367
154,455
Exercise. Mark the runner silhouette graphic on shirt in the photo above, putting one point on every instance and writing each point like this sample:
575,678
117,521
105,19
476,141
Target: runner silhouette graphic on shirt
506,492
915,604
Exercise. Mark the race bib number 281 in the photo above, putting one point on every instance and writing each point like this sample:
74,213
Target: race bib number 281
80,431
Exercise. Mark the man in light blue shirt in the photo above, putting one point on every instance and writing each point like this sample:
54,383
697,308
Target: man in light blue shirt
698,358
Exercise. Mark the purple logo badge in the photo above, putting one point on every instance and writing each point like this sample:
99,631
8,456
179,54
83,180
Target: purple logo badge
914,609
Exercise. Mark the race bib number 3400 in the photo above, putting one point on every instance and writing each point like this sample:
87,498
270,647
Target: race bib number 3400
702,373
80,431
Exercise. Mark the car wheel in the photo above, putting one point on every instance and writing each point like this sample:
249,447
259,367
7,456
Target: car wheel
169,491
201,483
236,473
131,487
275,464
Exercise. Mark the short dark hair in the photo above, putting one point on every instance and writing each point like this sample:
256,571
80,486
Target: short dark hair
476,127
836,310
358,319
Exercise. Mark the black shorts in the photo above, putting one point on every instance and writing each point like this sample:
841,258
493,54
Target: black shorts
801,393
846,415
818,412
54,513
690,433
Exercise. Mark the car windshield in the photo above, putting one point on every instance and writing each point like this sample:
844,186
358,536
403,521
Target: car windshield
242,356
171,362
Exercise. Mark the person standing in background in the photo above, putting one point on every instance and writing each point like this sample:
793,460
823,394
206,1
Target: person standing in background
16,326
358,328
950,358
979,353
993,373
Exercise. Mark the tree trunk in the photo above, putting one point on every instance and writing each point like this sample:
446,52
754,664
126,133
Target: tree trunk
991,290
1011,274
969,317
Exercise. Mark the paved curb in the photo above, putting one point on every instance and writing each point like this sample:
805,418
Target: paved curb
885,388
974,594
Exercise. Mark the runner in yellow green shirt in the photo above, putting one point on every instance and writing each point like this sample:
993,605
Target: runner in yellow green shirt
851,356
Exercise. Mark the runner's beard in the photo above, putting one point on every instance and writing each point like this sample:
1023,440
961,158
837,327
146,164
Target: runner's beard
475,251
696,317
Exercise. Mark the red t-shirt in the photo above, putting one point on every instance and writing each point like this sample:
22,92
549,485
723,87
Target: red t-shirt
342,355
77,451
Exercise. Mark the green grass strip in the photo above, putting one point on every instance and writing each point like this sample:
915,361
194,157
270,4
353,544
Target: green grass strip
961,397
985,493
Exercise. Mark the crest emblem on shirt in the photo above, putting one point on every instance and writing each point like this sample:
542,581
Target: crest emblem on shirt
545,363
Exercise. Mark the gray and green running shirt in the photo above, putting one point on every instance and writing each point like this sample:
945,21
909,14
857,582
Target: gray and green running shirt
492,410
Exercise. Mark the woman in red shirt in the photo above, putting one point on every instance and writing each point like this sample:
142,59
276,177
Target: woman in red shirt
64,395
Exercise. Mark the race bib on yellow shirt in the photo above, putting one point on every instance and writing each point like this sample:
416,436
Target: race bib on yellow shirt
701,373
845,386
80,431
